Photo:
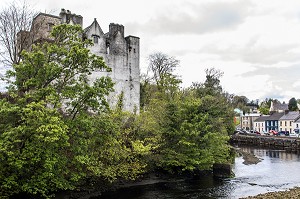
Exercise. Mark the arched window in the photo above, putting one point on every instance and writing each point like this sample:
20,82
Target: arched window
95,39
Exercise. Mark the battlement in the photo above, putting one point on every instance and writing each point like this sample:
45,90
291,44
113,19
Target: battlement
70,18
115,29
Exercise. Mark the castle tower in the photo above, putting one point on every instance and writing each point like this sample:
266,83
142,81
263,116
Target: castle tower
122,55
117,43
133,55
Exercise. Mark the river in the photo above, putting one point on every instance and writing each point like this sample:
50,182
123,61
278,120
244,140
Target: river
277,171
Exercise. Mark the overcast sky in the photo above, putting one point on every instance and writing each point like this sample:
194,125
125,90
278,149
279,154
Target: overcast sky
255,43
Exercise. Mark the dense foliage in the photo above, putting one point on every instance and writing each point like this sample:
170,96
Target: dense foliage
265,105
193,124
57,131
293,105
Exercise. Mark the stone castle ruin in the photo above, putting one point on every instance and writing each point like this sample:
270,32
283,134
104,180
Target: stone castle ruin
121,54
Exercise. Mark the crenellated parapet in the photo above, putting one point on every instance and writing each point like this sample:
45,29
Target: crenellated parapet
70,18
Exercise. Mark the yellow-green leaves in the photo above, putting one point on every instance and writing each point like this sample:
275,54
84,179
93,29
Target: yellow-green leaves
32,151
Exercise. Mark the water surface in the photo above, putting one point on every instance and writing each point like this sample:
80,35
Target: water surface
277,171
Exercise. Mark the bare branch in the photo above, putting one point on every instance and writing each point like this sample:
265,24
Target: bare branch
14,20
160,65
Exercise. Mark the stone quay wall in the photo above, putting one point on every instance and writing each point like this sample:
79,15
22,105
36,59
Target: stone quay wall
286,143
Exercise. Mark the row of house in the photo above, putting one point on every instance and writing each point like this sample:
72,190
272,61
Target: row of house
279,119
287,121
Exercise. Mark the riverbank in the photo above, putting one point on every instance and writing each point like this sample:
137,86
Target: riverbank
291,194
148,179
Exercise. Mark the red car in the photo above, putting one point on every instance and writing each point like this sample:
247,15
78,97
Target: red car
273,132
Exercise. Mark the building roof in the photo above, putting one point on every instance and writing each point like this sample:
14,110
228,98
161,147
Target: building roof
45,14
94,25
275,116
276,106
251,115
297,120
291,115
262,118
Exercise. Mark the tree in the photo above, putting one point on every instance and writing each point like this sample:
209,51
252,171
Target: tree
195,134
195,127
48,133
159,82
293,105
241,103
217,102
32,158
58,73
14,19
211,86
162,66
264,107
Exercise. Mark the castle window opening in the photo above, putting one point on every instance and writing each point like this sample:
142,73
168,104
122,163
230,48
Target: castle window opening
50,26
96,38
107,48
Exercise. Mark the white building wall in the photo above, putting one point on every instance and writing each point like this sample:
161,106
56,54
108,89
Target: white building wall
123,57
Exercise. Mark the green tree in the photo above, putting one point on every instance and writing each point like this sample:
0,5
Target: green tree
194,127
293,105
48,125
195,136
32,149
241,103
159,82
57,72
211,86
264,107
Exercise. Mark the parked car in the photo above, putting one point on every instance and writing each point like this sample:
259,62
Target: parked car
242,132
283,133
293,134
264,133
238,132
273,132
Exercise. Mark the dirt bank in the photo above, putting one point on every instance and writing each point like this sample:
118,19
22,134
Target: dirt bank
291,194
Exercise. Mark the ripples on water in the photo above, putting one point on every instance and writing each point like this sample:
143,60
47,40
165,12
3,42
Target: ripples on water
277,171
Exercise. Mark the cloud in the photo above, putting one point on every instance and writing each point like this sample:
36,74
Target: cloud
192,18
278,74
270,55
267,55
297,84
235,46
282,83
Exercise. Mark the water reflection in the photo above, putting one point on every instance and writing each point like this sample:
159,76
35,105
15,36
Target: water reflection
277,171
281,154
